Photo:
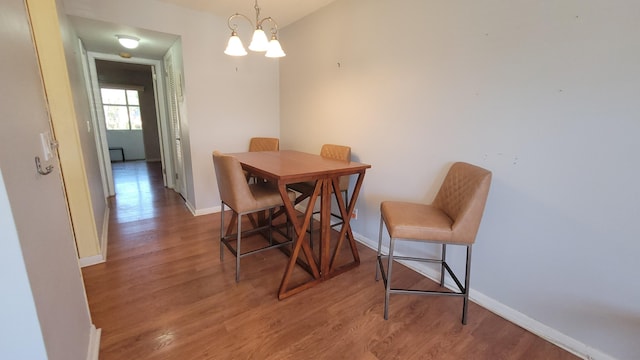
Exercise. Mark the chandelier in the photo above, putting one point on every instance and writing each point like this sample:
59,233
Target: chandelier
259,41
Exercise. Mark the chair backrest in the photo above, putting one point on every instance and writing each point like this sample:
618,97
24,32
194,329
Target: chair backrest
264,144
338,152
232,184
462,196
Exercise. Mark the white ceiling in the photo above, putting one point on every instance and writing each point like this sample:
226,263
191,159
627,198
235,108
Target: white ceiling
99,36
284,12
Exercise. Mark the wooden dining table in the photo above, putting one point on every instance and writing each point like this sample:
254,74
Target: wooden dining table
286,167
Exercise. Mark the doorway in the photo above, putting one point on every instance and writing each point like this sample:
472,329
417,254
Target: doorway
129,104
151,142
97,43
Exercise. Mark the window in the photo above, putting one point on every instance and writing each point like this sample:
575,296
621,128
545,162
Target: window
121,109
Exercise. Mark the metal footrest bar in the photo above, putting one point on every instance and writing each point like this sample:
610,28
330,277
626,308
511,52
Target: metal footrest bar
233,237
275,246
415,259
383,273
454,277
245,233
235,253
424,292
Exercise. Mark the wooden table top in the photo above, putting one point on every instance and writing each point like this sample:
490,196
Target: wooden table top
292,166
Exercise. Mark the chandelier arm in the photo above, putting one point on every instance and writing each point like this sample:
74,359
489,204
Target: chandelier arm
274,28
234,26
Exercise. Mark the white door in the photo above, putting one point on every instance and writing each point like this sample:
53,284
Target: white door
161,136
174,93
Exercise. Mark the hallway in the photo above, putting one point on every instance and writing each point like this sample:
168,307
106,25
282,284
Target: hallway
138,184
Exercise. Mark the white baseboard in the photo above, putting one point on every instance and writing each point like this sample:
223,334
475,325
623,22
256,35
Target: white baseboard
102,257
211,210
94,343
91,260
552,335
190,207
104,239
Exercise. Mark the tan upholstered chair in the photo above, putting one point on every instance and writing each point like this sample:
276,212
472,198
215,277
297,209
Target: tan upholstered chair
244,199
452,219
330,151
261,144
338,152
264,144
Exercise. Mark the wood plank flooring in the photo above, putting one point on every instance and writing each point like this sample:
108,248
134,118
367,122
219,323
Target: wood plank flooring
164,294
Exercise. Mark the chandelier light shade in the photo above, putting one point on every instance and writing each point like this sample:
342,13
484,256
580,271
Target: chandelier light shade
234,46
130,42
274,50
259,41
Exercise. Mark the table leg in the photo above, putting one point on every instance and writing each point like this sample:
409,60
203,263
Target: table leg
300,232
345,231
325,227
324,268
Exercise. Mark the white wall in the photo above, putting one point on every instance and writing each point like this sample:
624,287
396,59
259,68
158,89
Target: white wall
38,207
229,100
131,141
20,335
543,93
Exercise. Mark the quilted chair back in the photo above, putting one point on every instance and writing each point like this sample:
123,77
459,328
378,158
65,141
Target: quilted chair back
264,144
338,152
232,184
462,197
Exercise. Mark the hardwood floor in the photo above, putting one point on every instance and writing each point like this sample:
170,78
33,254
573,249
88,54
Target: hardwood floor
164,294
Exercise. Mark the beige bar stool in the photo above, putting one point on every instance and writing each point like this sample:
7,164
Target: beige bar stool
244,199
452,219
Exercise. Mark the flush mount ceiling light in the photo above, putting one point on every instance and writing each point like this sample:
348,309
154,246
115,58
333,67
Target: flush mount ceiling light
130,42
259,41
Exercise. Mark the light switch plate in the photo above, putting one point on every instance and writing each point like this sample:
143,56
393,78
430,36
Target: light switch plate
45,139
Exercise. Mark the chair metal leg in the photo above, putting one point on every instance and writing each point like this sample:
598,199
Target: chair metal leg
443,259
266,225
238,252
467,274
386,275
221,232
270,221
387,291
379,251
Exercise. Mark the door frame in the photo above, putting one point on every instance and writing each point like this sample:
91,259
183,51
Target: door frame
173,81
100,126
